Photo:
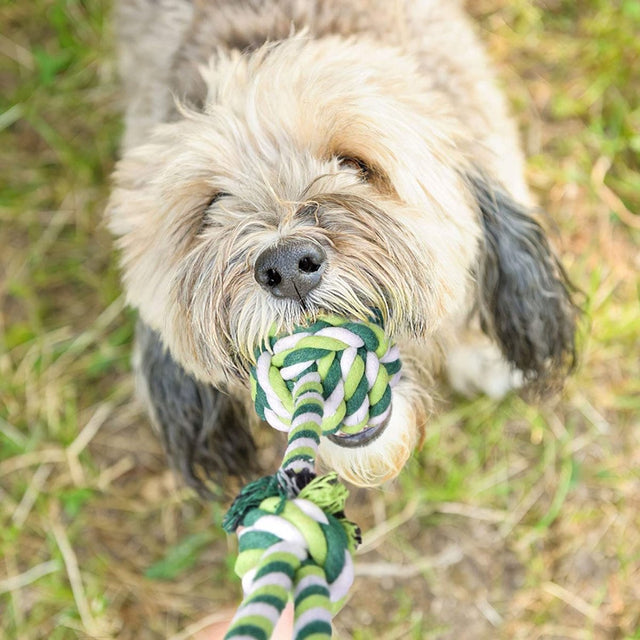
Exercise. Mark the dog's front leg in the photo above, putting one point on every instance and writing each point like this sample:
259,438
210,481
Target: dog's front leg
475,365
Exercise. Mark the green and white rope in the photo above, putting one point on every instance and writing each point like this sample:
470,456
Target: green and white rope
356,364
332,376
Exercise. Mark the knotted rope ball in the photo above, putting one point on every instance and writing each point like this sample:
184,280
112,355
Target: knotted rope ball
350,364
331,378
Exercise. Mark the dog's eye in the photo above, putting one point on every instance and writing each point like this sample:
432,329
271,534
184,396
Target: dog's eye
355,164
216,197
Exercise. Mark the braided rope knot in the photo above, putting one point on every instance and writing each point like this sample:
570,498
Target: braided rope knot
292,545
295,539
356,363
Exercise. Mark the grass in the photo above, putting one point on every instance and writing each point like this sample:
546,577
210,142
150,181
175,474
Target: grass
515,521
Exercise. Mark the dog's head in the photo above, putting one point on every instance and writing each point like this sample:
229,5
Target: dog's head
326,176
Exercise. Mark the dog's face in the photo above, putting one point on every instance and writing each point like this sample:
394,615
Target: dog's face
317,178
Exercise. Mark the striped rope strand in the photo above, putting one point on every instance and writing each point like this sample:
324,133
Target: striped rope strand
306,427
332,377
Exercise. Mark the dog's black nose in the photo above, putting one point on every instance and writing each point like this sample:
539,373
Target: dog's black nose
291,269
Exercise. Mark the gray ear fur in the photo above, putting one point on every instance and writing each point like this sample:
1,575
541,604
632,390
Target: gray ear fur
204,432
524,296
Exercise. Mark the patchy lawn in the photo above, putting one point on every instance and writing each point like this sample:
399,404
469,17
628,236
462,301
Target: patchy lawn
513,522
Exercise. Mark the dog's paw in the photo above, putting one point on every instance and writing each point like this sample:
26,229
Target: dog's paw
479,368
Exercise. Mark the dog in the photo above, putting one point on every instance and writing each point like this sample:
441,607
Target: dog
289,158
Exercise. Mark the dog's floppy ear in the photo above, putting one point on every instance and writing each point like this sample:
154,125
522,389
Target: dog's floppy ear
204,432
524,297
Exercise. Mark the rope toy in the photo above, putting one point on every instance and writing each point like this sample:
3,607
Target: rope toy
330,378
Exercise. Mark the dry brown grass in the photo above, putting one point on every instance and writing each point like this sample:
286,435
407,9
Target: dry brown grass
514,522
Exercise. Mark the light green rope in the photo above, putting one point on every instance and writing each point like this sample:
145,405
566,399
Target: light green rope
332,377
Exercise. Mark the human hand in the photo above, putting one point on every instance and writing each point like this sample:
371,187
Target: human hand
283,630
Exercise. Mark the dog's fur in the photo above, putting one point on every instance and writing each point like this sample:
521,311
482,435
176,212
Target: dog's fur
368,127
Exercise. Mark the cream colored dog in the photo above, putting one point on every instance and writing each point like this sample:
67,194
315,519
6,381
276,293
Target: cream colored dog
285,158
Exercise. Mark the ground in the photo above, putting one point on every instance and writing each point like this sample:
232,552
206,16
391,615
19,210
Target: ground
515,521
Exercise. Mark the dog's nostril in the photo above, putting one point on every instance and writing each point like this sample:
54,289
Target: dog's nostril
273,278
308,265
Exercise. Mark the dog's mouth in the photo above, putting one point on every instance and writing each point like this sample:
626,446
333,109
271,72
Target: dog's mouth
360,439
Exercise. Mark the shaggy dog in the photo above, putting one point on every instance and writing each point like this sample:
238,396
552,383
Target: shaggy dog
285,158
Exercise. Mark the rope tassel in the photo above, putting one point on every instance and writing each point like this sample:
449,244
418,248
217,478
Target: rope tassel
333,376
